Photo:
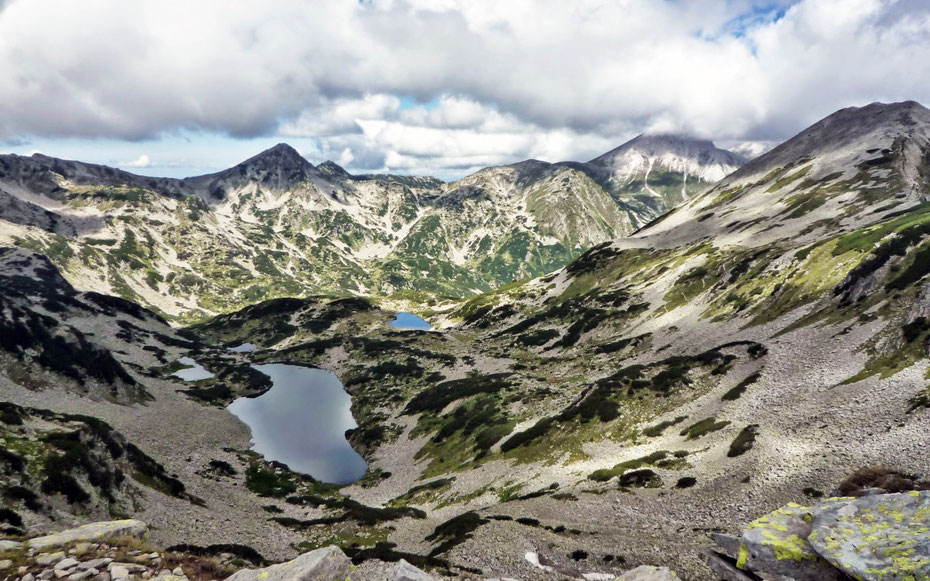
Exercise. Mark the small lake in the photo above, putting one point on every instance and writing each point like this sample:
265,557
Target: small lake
301,421
193,372
410,321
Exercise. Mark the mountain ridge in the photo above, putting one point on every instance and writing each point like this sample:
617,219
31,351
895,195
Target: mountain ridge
276,225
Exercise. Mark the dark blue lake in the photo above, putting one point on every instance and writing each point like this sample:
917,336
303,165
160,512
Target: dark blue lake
410,321
301,421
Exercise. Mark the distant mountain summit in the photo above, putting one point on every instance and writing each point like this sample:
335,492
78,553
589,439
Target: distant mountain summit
657,172
843,172
698,158
276,225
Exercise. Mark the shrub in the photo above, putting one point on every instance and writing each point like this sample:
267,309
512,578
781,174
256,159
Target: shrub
222,467
268,482
736,391
659,429
883,477
703,427
10,517
743,441
640,479
455,531
67,486
686,482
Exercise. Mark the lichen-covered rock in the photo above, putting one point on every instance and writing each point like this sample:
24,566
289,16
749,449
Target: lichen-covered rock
404,571
649,573
777,544
724,568
326,564
92,532
880,538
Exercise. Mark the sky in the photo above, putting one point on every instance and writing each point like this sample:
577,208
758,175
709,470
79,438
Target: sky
438,87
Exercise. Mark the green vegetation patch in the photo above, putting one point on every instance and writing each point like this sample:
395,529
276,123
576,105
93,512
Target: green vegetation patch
743,441
740,388
455,531
660,459
703,427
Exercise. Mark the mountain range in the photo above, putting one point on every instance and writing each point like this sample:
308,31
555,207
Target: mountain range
752,346
276,225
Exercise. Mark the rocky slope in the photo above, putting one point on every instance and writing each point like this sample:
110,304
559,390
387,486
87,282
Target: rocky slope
661,171
276,225
752,348
764,339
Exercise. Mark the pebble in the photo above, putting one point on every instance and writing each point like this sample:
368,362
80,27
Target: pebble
178,571
62,573
80,575
95,563
46,559
119,572
68,563
5,564
47,574
28,577
132,567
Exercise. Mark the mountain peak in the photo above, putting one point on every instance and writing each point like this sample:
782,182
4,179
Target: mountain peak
332,168
281,155
855,133
672,152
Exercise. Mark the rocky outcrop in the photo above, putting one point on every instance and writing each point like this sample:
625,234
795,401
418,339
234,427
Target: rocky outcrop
404,571
649,573
875,537
93,532
871,538
326,564
89,533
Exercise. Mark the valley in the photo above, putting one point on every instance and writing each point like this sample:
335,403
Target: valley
612,371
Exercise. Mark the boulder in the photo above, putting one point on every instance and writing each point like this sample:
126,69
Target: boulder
326,564
92,532
404,571
725,568
9,545
777,544
884,537
649,573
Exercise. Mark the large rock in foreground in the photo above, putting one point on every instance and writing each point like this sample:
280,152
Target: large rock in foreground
875,538
649,573
777,544
327,564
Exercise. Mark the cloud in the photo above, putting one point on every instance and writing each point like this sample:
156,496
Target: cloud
142,161
495,80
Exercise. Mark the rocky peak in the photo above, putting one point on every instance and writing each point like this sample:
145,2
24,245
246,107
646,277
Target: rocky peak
280,157
677,153
333,169
279,168
854,135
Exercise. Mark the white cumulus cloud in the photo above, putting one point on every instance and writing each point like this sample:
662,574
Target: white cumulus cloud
434,82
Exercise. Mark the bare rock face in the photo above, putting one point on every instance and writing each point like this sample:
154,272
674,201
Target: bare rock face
649,573
881,537
326,564
878,537
92,532
404,571
777,544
